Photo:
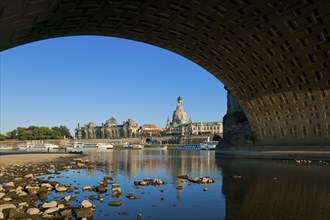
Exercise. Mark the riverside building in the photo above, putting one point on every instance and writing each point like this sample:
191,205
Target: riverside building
181,126
109,129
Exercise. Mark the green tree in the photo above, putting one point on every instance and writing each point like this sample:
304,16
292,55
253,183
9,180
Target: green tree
3,137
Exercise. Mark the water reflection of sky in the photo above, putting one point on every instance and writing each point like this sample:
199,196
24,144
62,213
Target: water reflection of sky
156,202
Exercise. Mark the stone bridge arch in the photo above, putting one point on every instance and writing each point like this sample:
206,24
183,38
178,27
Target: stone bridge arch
272,55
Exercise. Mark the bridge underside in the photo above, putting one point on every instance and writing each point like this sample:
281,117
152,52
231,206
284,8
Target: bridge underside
273,56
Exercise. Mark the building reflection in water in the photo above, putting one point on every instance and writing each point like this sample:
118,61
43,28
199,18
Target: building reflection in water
275,189
152,164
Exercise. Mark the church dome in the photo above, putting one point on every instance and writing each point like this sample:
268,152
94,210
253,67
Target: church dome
111,121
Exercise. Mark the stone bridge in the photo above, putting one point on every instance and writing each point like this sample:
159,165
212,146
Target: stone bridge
273,56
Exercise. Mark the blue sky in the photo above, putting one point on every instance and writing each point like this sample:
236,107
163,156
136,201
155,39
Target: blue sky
71,80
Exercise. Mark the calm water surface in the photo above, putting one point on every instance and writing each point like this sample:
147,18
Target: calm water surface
265,190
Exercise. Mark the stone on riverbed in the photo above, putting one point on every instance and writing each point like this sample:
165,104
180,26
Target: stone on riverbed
114,203
84,212
33,211
49,204
101,189
61,188
32,190
86,204
146,182
66,213
28,176
7,206
51,210
132,197
201,180
67,198
87,188
10,184
47,185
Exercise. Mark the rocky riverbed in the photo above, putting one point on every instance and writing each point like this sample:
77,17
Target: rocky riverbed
53,190
24,195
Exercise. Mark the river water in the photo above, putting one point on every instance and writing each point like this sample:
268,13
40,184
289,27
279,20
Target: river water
243,188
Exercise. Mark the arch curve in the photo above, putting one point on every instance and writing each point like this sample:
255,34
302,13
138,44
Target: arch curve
273,56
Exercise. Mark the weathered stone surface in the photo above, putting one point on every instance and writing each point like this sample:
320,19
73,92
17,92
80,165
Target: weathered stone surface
87,188
201,180
132,197
1,195
10,184
47,185
101,189
23,204
16,213
32,190
236,127
33,211
29,176
153,182
49,204
86,204
51,210
66,213
7,206
84,212
61,188
67,198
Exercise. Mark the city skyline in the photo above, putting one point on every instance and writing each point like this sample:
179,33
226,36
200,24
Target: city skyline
71,80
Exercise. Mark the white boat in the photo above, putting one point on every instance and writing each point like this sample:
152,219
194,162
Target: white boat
104,146
51,146
25,146
37,146
89,145
74,149
155,147
133,146
208,145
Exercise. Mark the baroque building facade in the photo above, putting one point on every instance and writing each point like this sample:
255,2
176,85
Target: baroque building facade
181,126
108,130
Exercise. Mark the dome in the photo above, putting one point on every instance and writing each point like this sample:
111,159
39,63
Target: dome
111,121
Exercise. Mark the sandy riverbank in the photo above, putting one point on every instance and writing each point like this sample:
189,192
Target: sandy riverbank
21,159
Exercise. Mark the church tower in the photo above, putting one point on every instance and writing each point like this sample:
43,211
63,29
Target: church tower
179,115
168,123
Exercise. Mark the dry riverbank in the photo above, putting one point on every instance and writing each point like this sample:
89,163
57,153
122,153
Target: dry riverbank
20,159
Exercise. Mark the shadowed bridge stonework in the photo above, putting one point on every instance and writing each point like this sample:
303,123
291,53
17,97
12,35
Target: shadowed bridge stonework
273,56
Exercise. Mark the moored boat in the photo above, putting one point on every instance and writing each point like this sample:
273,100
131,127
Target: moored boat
155,147
208,145
87,145
51,146
104,146
133,146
